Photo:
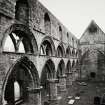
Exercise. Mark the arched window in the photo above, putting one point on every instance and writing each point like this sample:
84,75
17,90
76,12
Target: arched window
18,42
59,51
73,42
47,24
22,11
17,93
68,67
46,48
8,45
14,43
21,48
68,37
68,52
61,69
60,33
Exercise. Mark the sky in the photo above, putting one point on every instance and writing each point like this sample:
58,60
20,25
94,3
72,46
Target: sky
76,15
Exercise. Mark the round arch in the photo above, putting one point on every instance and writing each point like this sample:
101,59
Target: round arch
22,76
47,46
25,35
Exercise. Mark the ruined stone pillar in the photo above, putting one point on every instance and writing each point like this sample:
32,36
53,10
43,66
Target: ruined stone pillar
52,91
34,96
62,83
69,79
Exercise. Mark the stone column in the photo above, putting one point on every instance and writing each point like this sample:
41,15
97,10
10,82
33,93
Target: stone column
62,83
34,96
52,91
69,79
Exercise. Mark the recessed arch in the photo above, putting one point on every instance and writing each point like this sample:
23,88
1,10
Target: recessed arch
68,51
21,35
47,46
60,50
48,73
73,64
61,69
73,52
60,33
93,60
22,11
21,76
68,67
47,24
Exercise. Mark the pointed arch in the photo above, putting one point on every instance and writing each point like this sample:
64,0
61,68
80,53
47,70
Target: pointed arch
68,51
73,52
73,64
93,62
47,46
48,73
22,11
21,36
60,33
68,67
61,69
60,50
22,75
47,24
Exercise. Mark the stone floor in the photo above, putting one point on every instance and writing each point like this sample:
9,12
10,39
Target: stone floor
86,91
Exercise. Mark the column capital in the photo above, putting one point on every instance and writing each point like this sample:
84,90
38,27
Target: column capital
69,73
63,76
34,90
52,80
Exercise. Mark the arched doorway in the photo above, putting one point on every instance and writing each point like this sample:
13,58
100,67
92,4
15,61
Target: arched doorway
48,73
20,81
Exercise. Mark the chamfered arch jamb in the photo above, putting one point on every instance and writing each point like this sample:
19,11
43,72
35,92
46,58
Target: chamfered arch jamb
26,31
31,69
50,40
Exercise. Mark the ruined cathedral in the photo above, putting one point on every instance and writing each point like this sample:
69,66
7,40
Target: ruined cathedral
40,57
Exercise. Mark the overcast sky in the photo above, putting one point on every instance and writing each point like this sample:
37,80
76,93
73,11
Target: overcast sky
77,14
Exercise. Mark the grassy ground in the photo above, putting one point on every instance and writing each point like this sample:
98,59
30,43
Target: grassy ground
87,93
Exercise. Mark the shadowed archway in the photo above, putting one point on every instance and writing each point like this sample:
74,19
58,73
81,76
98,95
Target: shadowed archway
48,73
21,77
